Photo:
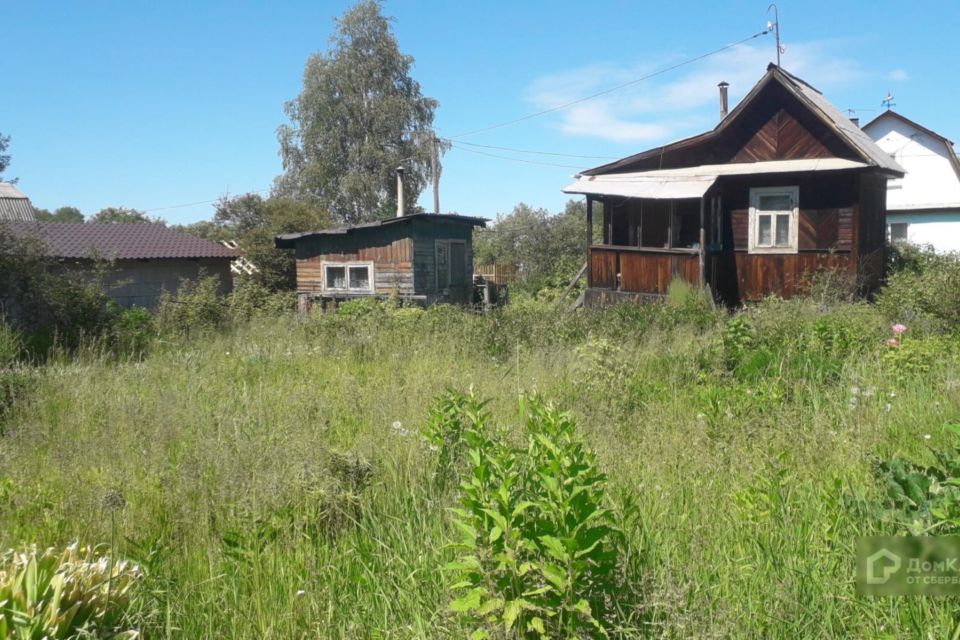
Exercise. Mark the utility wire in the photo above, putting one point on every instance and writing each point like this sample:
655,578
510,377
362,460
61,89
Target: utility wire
525,161
194,204
611,89
544,153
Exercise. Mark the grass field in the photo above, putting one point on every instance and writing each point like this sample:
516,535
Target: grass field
275,483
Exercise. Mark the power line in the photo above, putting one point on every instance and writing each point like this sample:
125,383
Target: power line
611,89
544,153
525,161
194,204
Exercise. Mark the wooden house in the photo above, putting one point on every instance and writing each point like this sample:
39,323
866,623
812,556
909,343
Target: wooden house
424,258
783,187
924,206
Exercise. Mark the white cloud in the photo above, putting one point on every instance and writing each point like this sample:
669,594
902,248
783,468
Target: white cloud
899,75
680,102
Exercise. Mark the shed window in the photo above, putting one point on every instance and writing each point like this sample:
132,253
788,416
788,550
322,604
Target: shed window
899,231
774,217
349,277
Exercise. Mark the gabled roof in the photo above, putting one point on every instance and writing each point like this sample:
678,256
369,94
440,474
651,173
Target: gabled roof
118,241
286,240
858,141
951,152
14,205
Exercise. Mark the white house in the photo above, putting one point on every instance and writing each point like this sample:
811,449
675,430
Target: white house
923,207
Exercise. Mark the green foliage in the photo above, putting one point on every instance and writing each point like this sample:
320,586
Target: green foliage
74,593
925,499
350,125
123,215
132,330
549,249
923,290
197,306
4,157
539,551
254,222
62,214
251,299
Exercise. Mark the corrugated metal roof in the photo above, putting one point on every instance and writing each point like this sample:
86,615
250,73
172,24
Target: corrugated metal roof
693,182
118,241
286,240
14,205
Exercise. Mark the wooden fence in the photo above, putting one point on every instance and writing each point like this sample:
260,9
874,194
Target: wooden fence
497,273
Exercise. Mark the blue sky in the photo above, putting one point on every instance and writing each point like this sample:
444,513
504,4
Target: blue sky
154,105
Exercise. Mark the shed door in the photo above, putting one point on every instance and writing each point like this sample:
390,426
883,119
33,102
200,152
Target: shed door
458,271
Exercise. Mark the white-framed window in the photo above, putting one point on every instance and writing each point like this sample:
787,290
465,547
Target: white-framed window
899,231
348,277
774,219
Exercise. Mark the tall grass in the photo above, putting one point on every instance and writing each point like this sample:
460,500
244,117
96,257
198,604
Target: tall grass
276,483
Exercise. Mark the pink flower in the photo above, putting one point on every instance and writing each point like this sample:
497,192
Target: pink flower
898,329
893,342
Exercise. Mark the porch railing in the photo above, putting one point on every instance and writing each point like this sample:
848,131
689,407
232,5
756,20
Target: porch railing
642,270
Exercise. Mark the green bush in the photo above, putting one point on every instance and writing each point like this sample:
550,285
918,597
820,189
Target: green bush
197,305
76,593
923,291
540,548
251,299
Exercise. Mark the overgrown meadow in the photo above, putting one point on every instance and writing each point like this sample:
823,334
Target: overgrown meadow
289,477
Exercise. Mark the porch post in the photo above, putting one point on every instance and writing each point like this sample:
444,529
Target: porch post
703,241
589,239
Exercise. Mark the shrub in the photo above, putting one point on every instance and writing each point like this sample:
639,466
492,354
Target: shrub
196,305
539,547
133,330
68,594
924,291
251,299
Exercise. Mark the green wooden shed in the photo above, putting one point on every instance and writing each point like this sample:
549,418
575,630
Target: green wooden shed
423,258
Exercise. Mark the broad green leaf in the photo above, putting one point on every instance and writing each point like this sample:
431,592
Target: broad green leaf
468,602
555,548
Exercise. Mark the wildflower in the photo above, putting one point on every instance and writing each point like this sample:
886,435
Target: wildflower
893,342
855,391
926,436
898,328
301,592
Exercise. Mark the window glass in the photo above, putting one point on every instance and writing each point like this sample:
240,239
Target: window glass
775,202
336,277
360,277
763,236
899,230
783,230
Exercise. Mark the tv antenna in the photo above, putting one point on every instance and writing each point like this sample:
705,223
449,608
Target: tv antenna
888,101
775,26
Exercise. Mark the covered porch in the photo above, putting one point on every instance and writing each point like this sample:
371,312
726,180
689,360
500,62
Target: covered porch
643,233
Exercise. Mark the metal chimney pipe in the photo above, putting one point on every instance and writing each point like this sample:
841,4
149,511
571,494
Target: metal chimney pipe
723,99
400,211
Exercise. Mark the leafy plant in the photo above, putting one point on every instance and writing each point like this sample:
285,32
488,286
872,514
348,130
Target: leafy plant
67,594
928,496
539,546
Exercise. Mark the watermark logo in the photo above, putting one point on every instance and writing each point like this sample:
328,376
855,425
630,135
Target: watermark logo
881,566
908,565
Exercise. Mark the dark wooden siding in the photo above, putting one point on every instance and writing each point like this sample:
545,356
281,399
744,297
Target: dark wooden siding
775,126
759,275
392,266
641,271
